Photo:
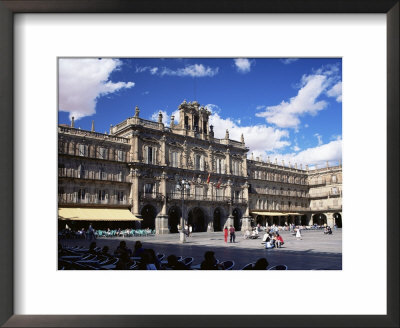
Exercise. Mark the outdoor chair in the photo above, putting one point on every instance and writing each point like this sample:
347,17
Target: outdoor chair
279,267
160,256
248,266
188,261
228,265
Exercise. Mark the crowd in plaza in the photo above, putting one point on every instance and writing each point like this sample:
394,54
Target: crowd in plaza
139,258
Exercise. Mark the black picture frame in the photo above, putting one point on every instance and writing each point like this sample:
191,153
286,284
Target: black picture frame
10,7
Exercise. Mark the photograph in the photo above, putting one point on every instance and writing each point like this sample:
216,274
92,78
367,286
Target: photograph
199,163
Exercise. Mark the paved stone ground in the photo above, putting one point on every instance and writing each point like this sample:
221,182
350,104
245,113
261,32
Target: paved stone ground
315,251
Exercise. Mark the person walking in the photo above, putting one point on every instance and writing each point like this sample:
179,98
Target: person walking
298,234
232,234
190,230
226,234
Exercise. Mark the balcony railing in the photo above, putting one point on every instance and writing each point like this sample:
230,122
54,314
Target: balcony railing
85,133
194,197
317,183
285,208
282,193
151,196
92,175
327,208
91,200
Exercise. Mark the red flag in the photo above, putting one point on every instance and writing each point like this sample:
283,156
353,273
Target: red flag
219,183
208,179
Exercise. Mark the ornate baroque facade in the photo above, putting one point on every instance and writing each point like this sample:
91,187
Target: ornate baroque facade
138,164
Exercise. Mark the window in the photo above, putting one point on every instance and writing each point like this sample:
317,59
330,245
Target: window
150,155
235,168
121,156
220,193
237,194
148,188
174,159
199,162
81,194
220,165
120,196
334,190
101,195
120,176
102,153
334,178
199,193
81,171
103,174
83,150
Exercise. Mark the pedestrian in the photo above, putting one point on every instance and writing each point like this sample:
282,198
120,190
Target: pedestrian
232,234
226,234
298,234
91,234
190,230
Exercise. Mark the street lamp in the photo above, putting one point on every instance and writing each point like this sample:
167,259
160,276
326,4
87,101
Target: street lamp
182,186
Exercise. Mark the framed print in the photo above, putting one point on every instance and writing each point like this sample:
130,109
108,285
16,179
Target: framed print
36,35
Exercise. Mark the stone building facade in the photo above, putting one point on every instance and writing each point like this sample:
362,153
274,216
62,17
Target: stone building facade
138,164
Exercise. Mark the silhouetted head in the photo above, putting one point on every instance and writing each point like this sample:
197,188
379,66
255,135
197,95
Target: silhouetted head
261,264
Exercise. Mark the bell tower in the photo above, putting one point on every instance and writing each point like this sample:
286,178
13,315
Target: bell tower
194,119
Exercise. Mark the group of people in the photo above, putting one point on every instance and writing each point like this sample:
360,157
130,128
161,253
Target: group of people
273,240
188,229
231,232
327,230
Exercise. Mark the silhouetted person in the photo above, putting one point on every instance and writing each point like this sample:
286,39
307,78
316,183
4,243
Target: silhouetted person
174,264
261,264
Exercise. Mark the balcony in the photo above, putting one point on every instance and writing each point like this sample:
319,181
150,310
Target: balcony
92,175
319,195
150,196
335,194
193,197
317,183
65,199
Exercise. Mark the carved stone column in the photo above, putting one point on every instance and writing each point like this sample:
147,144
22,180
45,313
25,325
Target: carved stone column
246,219
135,191
330,220
228,161
163,150
162,217
134,153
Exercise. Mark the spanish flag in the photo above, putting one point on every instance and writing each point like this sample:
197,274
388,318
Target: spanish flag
208,179
219,183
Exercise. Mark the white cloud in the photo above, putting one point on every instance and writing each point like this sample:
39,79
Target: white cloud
288,61
259,138
165,118
319,137
287,114
83,81
196,70
243,65
213,108
336,92
331,152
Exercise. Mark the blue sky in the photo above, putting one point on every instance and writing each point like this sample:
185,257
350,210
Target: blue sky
289,109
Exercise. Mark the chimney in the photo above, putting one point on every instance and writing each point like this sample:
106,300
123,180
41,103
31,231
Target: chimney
111,126
92,126
242,139
72,122
227,134
172,124
160,117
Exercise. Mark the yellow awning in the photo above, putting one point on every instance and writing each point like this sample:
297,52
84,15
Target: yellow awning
268,213
95,214
273,213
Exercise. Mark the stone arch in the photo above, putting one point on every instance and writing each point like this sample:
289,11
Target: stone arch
237,218
217,219
320,219
149,214
174,218
197,219
338,219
